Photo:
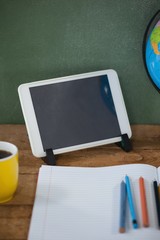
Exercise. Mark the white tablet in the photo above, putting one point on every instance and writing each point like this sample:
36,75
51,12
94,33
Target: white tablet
74,112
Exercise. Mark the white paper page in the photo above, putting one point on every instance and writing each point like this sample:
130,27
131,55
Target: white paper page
74,203
158,173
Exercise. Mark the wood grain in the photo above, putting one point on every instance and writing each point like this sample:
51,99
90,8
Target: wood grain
15,215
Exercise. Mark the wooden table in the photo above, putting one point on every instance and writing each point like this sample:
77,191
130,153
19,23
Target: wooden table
15,215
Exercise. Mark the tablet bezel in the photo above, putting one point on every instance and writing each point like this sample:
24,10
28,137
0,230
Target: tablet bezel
31,121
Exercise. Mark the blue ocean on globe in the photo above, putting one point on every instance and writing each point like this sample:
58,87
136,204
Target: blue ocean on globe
153,63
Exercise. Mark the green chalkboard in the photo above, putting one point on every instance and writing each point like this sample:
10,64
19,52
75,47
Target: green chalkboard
41,39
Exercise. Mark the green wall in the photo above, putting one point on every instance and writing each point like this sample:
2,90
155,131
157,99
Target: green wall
41,39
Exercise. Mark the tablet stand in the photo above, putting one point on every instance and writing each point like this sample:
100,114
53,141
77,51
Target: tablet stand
50,158
125,143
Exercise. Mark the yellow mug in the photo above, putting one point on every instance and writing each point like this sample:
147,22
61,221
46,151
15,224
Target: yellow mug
8,171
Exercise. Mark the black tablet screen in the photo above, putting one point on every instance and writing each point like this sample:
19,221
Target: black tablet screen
75,112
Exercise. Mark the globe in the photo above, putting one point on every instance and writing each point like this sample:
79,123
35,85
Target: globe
153,55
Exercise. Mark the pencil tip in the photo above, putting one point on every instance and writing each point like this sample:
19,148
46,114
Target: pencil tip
122,230
135,225
146,225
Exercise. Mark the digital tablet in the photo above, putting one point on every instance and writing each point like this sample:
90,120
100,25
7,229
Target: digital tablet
74,112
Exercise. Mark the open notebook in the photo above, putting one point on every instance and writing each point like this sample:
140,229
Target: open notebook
76,203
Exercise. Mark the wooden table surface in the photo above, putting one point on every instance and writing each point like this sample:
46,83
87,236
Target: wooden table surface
15,215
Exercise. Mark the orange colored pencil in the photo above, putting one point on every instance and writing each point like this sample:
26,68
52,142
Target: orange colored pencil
143,203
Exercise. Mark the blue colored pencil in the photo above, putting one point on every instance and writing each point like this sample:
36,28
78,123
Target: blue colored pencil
123,195
131,204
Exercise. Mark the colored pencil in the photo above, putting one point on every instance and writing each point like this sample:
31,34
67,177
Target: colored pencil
123,195
157,201
144,209
131,204
159,191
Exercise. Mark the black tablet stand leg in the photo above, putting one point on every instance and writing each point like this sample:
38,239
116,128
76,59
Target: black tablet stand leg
125,143
50,158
